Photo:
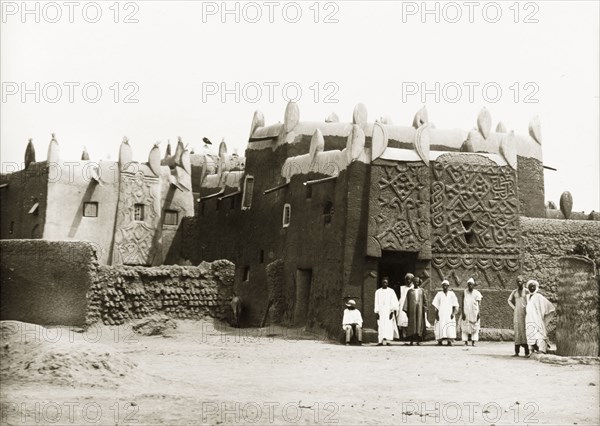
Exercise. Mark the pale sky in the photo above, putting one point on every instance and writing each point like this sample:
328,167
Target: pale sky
376,53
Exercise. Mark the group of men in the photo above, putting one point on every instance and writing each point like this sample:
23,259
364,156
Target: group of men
407,317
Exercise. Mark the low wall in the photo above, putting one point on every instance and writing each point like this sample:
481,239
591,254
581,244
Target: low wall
62,283
122,293
45,282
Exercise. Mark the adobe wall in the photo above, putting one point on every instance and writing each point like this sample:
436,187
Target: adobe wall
545,241
255,238
69,190
311,243
176,200
530,174
358,283
25,188
46,282
121,293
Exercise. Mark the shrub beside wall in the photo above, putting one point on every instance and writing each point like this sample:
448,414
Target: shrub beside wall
577,329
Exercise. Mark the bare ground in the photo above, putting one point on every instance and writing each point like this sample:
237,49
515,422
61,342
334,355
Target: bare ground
203,373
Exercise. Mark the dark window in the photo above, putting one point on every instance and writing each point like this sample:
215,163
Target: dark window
246,276
90,209
248,188
171,217
262,256
328,213
138,212
287,215
308,192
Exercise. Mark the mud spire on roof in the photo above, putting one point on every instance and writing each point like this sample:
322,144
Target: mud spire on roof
484,122
154,159
29,153
421,117
508,149
125,154
53,150
85,156
535,129
292,116
355,144
360,114
317,145
258,120
332,118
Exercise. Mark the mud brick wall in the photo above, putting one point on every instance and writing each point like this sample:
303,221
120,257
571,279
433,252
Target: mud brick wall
545,241
46,282
280,310
531,187
122,293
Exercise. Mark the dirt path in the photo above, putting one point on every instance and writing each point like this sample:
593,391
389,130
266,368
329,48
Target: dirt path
200,375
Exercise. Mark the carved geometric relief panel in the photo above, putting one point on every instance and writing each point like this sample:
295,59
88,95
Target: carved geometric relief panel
399,218
475,222
138,218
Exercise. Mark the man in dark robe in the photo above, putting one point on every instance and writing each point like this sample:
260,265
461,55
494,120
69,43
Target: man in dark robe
415,307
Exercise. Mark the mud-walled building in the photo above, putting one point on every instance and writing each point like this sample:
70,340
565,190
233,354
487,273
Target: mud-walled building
129,211
324,210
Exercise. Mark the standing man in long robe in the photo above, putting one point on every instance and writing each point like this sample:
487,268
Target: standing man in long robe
539,311
446,305
470,318
386,304
415,308
402,318
518,300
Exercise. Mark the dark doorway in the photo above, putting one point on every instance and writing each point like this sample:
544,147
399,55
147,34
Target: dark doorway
303,281
395,265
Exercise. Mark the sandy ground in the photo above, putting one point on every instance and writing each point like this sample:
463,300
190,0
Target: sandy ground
202,374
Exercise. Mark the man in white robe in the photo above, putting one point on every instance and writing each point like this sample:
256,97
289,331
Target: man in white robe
446,305
538,313
470,317
386,304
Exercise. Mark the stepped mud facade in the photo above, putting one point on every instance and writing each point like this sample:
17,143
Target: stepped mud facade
316,213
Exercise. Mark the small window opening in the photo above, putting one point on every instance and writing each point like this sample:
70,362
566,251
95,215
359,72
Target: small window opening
138,212
328,213
287,215
90,209
171,217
